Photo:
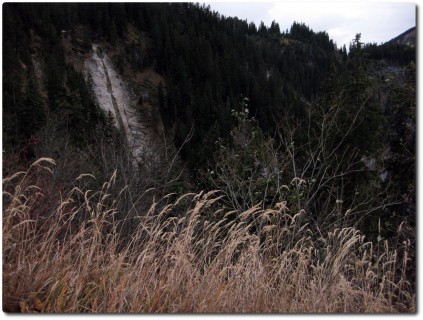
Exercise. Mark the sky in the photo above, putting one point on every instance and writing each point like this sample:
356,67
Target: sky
377,21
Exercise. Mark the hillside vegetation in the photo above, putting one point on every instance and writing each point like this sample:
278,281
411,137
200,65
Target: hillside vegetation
164,158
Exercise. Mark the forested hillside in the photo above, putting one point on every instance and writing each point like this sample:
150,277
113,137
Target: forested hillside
208,62
209,139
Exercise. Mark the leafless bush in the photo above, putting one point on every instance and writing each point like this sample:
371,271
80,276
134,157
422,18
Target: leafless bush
158,173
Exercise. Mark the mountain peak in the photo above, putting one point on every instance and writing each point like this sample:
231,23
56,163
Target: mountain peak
408,38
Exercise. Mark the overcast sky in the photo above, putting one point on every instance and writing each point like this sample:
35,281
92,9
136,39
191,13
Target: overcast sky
377,21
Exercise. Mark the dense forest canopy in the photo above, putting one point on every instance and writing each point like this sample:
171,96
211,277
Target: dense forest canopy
198,52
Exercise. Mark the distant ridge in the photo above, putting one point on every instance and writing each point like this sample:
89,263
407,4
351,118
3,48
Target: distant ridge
408,38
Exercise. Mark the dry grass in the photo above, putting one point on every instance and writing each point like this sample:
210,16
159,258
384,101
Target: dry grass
64,253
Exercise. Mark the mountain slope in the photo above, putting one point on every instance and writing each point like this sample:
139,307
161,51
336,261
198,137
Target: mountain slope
408,38
206,63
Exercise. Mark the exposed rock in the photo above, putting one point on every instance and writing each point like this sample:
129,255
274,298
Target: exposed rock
113,95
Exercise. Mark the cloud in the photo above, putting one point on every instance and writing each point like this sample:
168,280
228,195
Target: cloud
251,11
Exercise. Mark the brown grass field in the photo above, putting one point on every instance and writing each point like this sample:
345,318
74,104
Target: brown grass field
64,251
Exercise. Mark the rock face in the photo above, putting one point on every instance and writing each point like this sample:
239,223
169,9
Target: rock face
114,97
